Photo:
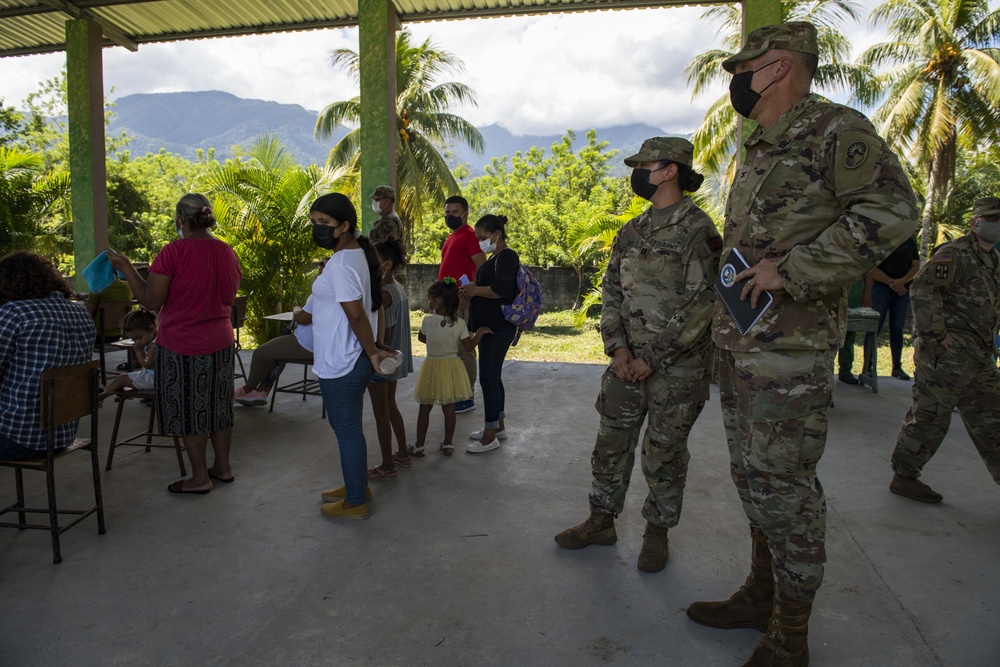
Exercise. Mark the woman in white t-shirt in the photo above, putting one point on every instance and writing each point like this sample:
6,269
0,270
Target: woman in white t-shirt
346,301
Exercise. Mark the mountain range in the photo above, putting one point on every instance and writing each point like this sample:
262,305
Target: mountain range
182,123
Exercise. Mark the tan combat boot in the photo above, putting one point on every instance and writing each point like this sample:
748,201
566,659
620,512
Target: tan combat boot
750,606
598,529
653,555
785,644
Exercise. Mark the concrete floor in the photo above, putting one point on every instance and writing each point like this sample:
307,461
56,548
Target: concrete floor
457,565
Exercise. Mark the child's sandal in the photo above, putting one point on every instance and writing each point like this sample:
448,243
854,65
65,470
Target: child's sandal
416,451
447,448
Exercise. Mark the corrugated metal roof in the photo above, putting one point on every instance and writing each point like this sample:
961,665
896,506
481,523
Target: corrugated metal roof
38,26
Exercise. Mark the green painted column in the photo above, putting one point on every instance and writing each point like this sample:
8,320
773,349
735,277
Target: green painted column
88,172
756,13
377,22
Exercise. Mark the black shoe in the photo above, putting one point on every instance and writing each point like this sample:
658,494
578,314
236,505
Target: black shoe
848,378
898,372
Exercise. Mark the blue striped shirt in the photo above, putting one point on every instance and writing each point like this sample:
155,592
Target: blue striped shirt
37,334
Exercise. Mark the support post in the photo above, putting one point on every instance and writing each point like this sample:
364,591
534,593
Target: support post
756,13
88,172
377,25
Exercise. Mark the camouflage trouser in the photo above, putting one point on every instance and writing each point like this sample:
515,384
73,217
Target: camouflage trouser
774,412
944,380
623,406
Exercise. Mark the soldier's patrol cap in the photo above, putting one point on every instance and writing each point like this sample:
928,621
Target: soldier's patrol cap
656,149
794,36
383,191
986,206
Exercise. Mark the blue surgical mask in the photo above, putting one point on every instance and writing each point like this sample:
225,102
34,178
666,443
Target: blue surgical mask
180,234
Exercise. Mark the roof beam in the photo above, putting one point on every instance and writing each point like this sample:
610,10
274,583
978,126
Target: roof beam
77,12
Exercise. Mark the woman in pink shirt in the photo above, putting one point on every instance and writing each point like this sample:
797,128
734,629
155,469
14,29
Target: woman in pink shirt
193,283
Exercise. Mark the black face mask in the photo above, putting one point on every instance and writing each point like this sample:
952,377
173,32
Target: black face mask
741,95
323,236
453,221
641,185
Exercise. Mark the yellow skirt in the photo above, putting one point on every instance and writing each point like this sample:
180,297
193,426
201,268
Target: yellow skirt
442,381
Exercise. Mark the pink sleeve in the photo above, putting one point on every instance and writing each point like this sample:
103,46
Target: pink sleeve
165,262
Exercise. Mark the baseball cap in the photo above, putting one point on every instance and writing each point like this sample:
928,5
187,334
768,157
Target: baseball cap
986,206
383,191
656,149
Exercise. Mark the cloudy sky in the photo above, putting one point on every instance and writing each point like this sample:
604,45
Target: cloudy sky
540,74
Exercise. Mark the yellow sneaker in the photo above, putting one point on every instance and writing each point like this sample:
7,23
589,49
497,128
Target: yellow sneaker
336,510
333,495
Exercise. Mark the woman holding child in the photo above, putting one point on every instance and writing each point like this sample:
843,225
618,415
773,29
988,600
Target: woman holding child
495,285
193,283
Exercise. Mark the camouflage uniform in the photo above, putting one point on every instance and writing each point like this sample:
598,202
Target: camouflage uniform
956,292
386,227
820,190
657,302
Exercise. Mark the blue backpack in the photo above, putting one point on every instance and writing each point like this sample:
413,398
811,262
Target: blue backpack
527,304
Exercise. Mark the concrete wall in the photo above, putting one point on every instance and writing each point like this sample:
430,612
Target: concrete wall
560,286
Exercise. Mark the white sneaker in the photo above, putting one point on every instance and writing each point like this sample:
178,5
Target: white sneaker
477,435
479,448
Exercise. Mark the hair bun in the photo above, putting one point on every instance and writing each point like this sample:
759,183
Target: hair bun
502,219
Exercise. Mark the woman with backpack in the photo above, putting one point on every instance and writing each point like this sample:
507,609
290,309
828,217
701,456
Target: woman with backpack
495,285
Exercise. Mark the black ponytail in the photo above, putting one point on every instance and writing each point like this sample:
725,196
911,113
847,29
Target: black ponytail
688,179
373,271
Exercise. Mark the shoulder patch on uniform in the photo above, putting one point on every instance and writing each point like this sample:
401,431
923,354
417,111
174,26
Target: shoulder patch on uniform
715,243
856,159
942,257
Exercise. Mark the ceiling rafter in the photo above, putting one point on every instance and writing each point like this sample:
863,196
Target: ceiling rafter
110,31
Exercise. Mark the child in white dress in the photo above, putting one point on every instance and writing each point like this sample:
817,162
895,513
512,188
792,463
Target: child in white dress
442,379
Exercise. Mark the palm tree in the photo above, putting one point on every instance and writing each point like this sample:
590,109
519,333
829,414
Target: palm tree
941,91
28,196
262,202
424,124
716,140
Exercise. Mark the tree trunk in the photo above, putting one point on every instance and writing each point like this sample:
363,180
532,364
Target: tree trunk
942,174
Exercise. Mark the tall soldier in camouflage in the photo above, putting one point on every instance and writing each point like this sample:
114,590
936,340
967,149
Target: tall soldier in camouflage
655,317
818,201
388,226
956,309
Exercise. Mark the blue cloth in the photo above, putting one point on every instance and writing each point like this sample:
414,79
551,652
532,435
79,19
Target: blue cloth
344,398
99,274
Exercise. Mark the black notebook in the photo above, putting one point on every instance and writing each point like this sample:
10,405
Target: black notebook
729,290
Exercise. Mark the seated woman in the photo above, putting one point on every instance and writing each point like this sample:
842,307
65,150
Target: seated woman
264,364
40,328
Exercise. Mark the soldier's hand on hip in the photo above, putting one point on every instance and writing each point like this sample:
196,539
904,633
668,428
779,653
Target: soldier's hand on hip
621,364
763,277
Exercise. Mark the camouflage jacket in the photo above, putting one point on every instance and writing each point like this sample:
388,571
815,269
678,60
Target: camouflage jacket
958,292
657,292
386,227
822,191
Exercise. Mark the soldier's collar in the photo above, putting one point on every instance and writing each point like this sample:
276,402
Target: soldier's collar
670,215
773,134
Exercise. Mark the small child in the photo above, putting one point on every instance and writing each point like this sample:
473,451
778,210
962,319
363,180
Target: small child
140,326
396,337
442,379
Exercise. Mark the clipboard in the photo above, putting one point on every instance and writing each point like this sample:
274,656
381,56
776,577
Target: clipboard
729,291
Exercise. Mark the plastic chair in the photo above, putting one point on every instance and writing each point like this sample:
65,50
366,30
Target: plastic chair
68,393
124,396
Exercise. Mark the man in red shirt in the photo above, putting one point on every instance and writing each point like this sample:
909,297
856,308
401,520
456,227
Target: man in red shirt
461,256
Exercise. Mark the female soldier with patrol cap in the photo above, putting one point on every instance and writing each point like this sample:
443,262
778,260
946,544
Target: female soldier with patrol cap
655,317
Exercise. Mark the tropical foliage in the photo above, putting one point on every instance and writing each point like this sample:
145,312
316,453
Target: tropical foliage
262,201
939,91
423,179
27,195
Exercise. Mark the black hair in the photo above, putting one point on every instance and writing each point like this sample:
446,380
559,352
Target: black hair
494,223
25,275
392,249
195,209
139,320
688,179
339,207
460,200
447,292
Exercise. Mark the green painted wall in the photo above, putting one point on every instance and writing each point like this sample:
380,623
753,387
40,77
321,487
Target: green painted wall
377,36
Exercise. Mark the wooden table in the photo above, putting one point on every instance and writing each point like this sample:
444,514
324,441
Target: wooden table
281,317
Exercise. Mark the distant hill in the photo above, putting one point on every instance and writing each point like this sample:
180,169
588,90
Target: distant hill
184,122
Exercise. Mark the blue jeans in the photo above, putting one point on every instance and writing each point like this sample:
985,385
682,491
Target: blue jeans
891,305
492,350
11,451
344,398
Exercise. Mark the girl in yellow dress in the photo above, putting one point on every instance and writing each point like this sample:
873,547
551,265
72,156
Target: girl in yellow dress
442,379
